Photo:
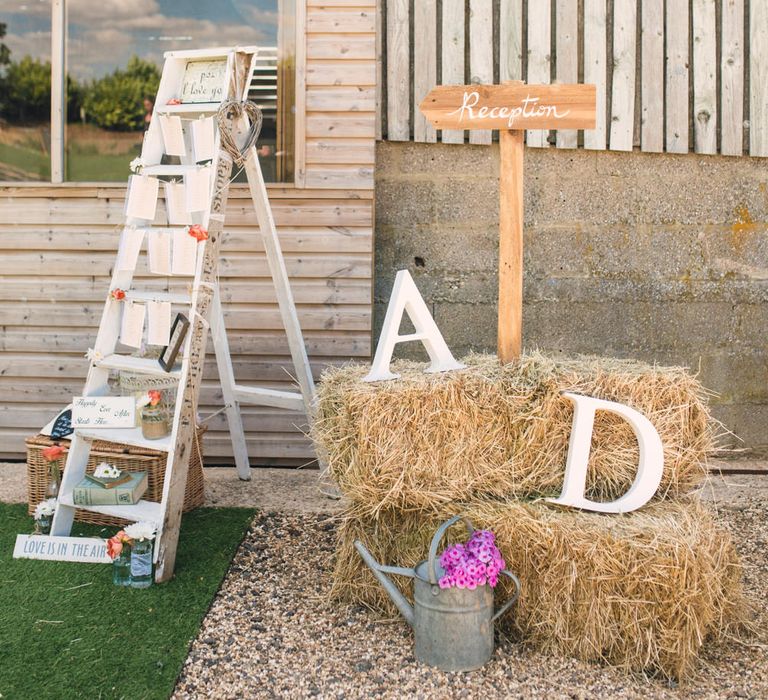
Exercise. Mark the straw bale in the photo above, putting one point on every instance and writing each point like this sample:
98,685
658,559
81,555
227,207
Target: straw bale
642,591
490,430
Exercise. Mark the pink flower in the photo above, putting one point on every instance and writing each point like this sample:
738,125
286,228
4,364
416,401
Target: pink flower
198,232
53,453
117,294
475,563
115,544
174,101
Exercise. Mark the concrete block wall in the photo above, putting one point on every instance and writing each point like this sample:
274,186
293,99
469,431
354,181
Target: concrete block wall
663,258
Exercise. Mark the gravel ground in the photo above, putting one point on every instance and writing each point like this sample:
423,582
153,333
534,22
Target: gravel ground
272,633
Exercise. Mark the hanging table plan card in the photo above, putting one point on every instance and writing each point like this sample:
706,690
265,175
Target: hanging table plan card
184,253
158,322
130,246
132,326
203,139
175,204
197,189
173,135
141,202
159,249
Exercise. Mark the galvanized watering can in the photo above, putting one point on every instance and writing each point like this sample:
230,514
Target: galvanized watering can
453,627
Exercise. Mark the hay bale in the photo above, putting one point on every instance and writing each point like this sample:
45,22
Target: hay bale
641,591
502,431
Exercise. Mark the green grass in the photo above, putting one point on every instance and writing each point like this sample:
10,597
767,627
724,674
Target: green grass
24,163
67,632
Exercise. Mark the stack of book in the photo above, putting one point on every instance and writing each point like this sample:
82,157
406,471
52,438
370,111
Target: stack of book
124,490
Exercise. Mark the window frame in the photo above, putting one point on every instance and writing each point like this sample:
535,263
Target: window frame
59,97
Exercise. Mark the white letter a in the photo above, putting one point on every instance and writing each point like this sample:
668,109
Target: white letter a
405,297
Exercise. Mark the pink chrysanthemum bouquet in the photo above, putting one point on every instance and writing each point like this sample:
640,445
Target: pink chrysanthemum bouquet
472,564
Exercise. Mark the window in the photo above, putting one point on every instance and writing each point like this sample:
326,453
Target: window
25,90
114,57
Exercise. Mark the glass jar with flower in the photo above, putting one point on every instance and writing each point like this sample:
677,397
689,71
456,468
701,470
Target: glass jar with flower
154,417
53,455
119,550
142,536
44,516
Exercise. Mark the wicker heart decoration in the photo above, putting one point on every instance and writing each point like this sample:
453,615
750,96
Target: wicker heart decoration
229,113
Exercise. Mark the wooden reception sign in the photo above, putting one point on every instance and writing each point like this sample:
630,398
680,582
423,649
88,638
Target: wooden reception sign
511,108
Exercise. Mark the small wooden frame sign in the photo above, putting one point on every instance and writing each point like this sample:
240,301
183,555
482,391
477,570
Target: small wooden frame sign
203,81
86,550
171,351
103,412
511,108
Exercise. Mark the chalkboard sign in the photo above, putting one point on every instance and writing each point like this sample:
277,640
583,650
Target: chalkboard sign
203,81
62,424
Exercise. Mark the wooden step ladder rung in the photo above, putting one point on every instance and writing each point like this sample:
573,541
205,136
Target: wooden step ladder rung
148,295
143,510
140,365
189,108
293,401
169,170
125,436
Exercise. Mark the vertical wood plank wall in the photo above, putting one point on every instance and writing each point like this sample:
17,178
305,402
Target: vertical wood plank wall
670,74
58,245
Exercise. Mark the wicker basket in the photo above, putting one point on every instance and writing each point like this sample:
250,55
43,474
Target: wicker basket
132,459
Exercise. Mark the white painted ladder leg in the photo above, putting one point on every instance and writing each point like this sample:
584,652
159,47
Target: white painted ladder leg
227,381
280,279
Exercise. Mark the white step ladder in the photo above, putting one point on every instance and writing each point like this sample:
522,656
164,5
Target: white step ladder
203,307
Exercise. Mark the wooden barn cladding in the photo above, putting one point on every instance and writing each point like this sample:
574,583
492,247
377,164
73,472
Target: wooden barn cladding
340,93
58,244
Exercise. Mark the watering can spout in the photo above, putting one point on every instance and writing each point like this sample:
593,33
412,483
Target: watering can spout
380,571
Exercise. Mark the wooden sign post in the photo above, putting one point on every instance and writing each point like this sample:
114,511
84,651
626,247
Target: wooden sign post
511,108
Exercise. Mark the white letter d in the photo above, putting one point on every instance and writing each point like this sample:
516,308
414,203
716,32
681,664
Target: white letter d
649,470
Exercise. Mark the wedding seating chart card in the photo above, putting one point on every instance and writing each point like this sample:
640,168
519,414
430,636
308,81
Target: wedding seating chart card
175,203
130,246
132,327
202,139
158,322
184,253
159,248
141,202
173,136
197,185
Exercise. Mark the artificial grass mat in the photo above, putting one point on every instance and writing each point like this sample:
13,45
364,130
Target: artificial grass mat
67,632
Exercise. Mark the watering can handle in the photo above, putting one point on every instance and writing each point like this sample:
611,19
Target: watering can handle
511,601
436,543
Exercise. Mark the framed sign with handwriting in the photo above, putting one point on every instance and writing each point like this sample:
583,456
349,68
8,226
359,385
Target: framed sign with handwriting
203,81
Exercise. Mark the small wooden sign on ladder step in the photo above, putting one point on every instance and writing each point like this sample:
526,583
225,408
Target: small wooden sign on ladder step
226,79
